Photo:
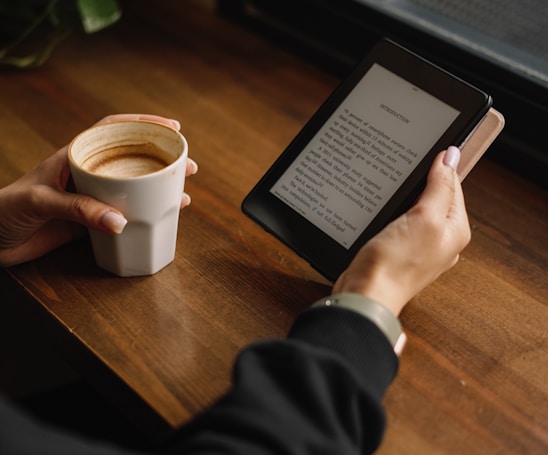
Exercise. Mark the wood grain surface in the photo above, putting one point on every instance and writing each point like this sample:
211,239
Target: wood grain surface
473,378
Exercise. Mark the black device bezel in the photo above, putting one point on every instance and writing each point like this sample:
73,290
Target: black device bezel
319,249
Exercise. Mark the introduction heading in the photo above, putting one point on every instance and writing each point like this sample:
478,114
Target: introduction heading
394,113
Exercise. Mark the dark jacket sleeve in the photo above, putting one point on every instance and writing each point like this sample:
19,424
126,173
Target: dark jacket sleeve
318,391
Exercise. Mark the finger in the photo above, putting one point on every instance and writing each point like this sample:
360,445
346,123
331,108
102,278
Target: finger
457,210
185,200
458,207
172,123
439,192
80,209
191,167
459,216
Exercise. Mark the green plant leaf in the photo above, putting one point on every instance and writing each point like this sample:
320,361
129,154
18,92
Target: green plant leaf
30,29
37,58
98,14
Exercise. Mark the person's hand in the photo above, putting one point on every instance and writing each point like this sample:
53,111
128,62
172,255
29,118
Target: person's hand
416,248
38,214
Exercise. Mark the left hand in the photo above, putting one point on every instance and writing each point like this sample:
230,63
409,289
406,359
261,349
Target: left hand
38,214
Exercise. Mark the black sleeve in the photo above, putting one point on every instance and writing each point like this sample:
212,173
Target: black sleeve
21,434
317,392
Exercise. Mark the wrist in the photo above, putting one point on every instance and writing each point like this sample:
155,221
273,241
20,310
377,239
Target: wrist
376,287
377,313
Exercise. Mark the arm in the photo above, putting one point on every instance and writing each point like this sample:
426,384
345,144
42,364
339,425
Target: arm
321,389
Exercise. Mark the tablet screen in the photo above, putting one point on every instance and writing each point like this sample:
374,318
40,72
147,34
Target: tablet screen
363,153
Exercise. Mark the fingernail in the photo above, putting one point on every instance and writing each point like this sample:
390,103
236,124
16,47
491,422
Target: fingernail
194,166
114,222
452,157
177,124
186,200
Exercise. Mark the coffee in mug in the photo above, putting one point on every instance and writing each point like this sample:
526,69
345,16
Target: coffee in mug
129,160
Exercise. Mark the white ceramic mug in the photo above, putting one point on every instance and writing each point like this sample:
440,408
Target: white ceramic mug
150,202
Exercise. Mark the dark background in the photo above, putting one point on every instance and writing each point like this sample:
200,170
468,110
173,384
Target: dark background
498,45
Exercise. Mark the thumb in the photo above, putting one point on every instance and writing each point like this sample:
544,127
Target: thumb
84,210
439,193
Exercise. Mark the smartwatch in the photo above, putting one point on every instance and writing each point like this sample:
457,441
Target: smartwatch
381,316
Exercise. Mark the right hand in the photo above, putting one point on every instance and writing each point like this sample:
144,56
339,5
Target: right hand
416,248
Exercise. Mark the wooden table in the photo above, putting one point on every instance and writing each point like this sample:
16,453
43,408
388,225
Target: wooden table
473,378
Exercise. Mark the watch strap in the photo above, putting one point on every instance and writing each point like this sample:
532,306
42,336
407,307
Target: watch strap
377,313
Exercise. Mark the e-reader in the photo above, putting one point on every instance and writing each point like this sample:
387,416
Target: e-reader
363,157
